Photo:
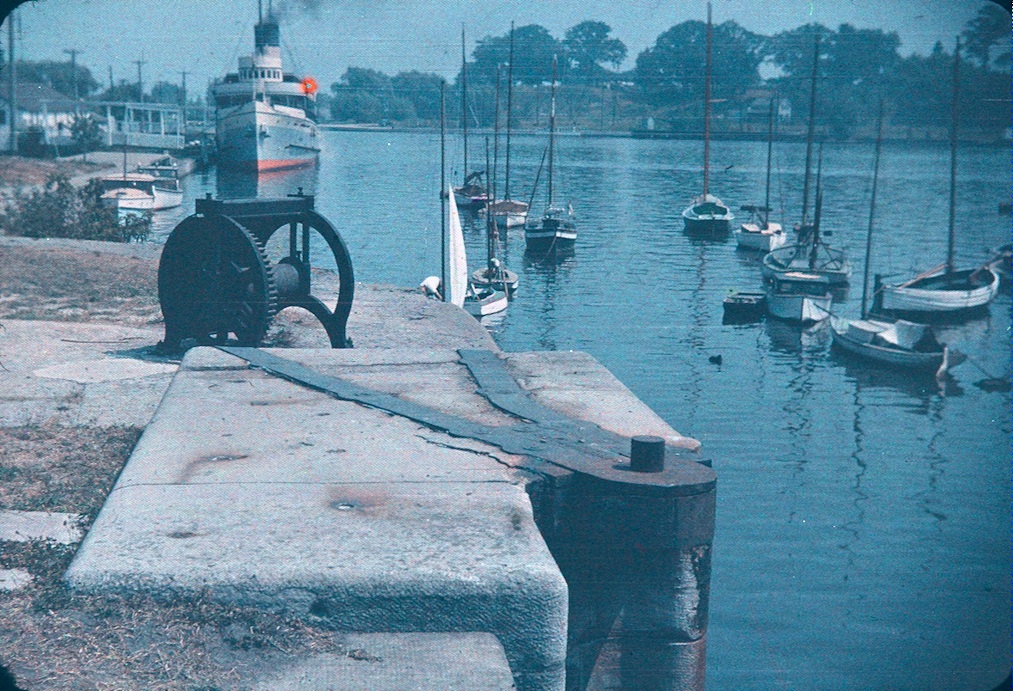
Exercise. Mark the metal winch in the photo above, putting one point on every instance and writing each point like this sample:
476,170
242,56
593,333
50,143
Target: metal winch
216,284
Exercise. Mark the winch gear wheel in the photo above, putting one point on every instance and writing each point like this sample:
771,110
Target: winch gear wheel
214,279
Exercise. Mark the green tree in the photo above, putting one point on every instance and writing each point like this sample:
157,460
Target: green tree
59,76
671,72
124,91
365,95
166,92
991,27
85,131
534,48
856,68
589,47
420,89
58,210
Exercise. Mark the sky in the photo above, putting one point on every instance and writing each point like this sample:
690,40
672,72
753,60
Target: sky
323,38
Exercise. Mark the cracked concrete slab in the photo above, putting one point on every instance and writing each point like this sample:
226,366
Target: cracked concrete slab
103,370
14,579
263,492
24,526
401,662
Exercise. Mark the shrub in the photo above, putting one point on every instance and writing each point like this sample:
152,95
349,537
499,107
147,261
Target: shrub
59,210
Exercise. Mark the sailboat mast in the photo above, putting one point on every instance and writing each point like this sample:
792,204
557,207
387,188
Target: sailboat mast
494,178
770,156
953,160
489,222
444,190
872,212
464,101
552,126
510,102
707,107
819,204
810,130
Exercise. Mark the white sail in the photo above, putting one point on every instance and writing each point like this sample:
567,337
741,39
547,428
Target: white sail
457,259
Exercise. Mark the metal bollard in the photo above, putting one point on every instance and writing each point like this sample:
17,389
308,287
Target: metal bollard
635,549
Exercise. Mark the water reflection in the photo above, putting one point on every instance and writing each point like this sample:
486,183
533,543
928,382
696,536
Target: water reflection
268,184
793,338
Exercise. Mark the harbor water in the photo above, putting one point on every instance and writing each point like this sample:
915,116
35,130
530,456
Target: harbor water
863,514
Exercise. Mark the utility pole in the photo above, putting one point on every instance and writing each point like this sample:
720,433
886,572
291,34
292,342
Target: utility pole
140,82
183,94
12,79
110,80
73,53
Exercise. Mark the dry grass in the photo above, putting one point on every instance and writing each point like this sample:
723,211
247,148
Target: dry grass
55,639
57,284
54,468
19,170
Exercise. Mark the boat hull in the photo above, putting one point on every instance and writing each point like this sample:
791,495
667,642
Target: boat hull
805,309
744,307
511,219
934,362
482,306
956,293
470,202
707,215
831,263
505,280
759,241
256,136
550,232
167,199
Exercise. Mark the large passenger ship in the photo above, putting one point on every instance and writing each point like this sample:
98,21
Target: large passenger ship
265,116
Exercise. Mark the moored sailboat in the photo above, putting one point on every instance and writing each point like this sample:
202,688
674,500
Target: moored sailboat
453,285
707,214
809,253
943,290
557,229
813,256
494,275
759,233
897,343
472,194
508,212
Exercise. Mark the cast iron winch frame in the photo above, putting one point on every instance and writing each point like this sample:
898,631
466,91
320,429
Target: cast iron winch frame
217,285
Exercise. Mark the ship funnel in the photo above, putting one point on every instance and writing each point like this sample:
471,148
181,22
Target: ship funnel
266,33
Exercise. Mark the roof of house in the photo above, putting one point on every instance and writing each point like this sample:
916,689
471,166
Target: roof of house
31,96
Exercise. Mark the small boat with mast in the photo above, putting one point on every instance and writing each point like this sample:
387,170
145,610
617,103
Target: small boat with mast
706,214
897,343
943,290
557,229
471,195
809,253
494,275
800,295
507,212
759,233
453,285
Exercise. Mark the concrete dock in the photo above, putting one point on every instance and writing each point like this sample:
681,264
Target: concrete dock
439,559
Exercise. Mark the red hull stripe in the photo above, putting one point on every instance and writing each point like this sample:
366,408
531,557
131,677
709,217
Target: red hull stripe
278,164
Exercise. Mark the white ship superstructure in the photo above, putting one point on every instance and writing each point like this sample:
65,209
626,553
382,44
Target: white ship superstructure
264,116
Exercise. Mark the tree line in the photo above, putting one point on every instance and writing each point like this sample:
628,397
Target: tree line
856,68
